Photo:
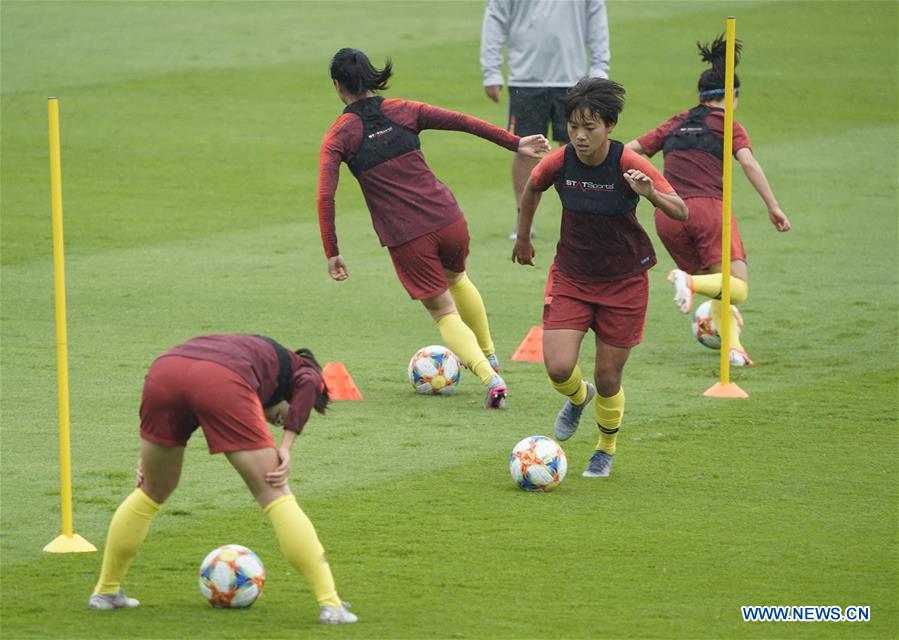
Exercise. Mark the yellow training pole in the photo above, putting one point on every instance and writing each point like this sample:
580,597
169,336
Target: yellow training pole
724,388
69,541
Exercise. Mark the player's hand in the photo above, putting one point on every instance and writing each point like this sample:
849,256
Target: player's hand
281,474
493,91
779,219
139,474
639,182
523,251
534,146
337,268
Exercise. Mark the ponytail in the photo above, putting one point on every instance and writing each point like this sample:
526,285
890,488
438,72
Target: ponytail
711,82
355,73
321,403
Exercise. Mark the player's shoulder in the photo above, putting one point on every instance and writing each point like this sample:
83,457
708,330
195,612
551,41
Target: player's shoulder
344,123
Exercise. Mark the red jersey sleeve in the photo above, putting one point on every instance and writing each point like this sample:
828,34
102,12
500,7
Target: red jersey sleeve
306,383
544,175
741,138
633,160
430,117
652,141
334,149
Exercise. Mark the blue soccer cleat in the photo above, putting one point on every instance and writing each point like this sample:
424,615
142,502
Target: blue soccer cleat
570,416
600,465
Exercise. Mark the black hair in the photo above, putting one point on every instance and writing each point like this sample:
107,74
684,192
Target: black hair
321,403
598,97
711,82
355,73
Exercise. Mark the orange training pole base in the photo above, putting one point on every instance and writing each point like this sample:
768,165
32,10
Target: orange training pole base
729,390
70,544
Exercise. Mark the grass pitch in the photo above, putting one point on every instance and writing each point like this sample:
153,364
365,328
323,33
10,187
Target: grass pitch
189,147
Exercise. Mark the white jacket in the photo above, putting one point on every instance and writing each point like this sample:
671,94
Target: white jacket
547,40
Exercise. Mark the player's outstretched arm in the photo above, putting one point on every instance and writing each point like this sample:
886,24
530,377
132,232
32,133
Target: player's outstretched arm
756,177
635,146
337,268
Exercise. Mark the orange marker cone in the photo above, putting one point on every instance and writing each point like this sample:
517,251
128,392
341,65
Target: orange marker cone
339,382
531,348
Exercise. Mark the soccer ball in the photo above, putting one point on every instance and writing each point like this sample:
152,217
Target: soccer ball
538,464
231,577
434,370
704,328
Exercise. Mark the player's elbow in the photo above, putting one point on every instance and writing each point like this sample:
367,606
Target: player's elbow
680,211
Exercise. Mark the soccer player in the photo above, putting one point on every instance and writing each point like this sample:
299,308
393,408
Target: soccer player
230,384
414,214
598,278
692,144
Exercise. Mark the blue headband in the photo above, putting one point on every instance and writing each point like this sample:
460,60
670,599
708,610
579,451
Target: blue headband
716,92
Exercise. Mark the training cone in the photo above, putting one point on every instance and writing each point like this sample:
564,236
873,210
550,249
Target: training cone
531,348
729,390
339,382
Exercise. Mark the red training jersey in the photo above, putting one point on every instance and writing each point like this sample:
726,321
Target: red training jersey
405,199
693,172
255,360
594,246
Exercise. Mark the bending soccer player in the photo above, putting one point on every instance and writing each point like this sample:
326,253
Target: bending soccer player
598,278
694,151
231,384
414,214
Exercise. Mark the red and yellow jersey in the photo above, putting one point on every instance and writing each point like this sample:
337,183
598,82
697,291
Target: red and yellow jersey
405,199
694,172
602,242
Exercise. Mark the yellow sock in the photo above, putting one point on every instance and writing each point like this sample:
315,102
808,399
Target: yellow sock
709,285
575,387
461,340
300,545
609,412
127,531
733,332
471,310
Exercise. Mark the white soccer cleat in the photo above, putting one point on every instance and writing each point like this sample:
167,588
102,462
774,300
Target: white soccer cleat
683,290
107,601
739,358
332,615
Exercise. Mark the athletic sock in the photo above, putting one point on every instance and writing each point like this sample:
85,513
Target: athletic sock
127,531
300,545
733,331
461,340
574,388
609,412
472,311
709,285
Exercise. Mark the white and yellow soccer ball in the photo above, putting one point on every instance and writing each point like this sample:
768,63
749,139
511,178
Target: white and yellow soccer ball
704,328
538,463
231,577
434,370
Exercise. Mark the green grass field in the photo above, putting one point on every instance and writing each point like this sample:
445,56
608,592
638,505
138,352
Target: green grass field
190,137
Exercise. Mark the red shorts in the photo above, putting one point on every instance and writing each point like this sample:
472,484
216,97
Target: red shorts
616,310
181,394
420,263
695,244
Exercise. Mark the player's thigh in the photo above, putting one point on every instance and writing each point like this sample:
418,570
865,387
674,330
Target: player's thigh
561,348
252,465
452,242
161,467
529,110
